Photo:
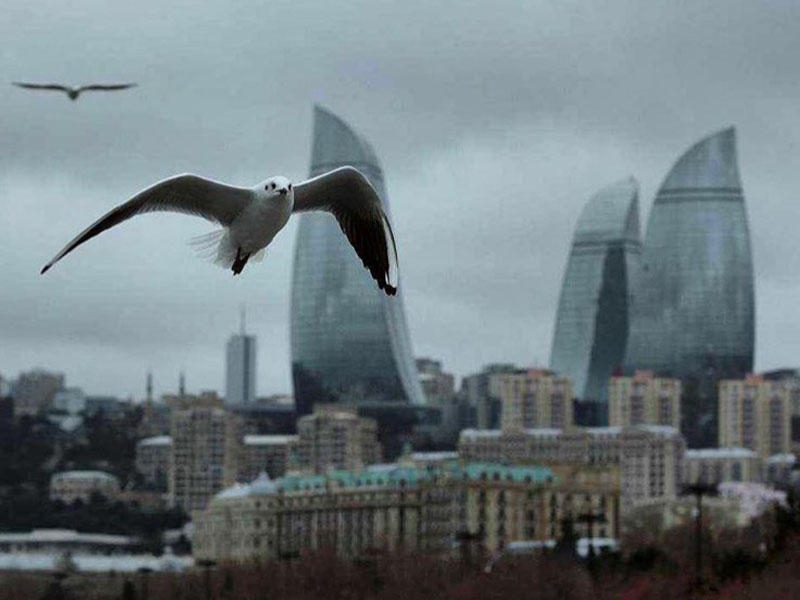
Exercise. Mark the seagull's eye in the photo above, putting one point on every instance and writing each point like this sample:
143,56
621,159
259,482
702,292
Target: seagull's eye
272,185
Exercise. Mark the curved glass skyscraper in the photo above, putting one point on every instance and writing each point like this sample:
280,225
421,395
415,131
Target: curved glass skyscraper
349,340
592,319
693,305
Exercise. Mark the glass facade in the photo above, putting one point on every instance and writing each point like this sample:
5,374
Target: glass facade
693,305
592,320
349,340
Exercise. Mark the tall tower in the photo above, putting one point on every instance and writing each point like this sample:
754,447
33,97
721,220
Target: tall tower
693,302
349,340
240,367
593,311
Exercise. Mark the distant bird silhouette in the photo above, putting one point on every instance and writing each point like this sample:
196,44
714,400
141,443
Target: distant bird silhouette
74,92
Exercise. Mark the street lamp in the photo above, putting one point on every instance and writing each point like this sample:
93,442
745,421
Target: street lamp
698,490
207,564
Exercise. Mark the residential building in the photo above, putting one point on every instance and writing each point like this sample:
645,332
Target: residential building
71,400
349,341
649,457
644,399
153,460
482,391
535,398
273,454
204,451
715,465
593,311
33,391
755,413
69,486
692,311
335,437
436,384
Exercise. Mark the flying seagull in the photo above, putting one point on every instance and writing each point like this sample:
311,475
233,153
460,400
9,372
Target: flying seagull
251,217
74,92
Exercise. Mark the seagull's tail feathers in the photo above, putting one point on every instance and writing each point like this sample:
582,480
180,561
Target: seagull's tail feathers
215,247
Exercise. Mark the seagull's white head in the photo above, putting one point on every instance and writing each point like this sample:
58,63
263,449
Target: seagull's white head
276,186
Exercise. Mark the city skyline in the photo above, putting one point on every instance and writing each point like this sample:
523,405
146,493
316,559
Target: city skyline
557,110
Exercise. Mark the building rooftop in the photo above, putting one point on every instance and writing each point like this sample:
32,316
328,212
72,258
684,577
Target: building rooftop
63,536
731,452
84,475
159,440
788,459
269,440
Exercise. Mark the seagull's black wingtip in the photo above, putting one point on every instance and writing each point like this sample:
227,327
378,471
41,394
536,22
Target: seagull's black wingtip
45,269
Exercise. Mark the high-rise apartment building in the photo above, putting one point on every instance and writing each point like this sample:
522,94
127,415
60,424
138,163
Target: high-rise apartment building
755,413
644,399
335,437
482,392
593,311
692,311
204,451
349,340
535,398
153,460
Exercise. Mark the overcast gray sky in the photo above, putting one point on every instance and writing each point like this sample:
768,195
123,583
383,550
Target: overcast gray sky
495,122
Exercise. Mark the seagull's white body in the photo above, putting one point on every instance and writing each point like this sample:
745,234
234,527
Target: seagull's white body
252,217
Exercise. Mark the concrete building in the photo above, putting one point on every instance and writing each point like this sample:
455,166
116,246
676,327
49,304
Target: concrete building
482,391
755,413
535,398
649,457
273,454
33,391
61,541
335,437
153,460
240,369
70,400
69,486
715,465
398,506
204,451
436,384
644,399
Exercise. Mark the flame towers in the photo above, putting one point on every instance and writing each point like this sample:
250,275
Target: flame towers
693,305
592,320
349,341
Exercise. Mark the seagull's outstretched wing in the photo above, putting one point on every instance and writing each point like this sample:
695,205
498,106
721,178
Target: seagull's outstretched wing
106,87
348,196
41,86
188,194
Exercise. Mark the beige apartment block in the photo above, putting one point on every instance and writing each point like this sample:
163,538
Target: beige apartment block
644,399
755,413
535,398
715,465
335,437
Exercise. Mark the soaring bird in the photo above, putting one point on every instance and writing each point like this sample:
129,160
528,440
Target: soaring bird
74,92
251,217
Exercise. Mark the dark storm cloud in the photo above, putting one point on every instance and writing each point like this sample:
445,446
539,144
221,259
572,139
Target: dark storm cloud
494,121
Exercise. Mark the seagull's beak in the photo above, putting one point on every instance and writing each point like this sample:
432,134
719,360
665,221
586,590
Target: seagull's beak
283,191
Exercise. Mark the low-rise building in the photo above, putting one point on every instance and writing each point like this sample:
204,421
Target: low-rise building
388,507
69,486
273,454
33,391
153,460
715,465
644,399
649,456
67,540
